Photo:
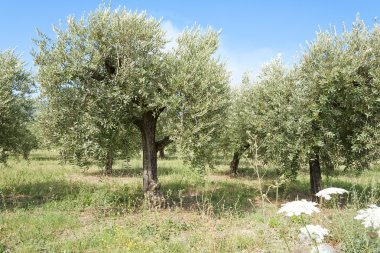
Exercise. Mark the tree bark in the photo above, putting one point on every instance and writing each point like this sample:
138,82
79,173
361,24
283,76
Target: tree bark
162,153
315,176
109,163
147,126
161,144
234,165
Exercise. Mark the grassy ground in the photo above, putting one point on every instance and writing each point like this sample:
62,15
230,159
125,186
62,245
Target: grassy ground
48,207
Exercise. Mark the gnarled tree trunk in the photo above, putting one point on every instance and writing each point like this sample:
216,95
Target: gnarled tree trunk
147,125
315,175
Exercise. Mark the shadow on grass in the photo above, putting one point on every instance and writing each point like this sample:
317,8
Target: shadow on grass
43,157
37,193
194,194
250,173
211,198
133,172
292,190
168,157
352,173
216,198
188,192
72,195
359,195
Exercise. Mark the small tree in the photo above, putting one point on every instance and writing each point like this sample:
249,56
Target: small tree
264,109
16,107
119,56
239,123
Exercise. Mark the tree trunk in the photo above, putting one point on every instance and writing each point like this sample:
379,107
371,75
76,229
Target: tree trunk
162,153
147,126
235,163
315,176
109,163
161,144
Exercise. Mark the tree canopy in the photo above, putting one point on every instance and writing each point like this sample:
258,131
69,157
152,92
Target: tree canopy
265,109
116,61
339,86
16,107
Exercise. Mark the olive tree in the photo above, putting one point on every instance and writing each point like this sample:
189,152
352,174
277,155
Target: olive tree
120,57
277,129
16,107
239,123
264,110
339,85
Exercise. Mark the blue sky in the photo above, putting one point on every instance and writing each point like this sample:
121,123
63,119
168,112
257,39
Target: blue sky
253,32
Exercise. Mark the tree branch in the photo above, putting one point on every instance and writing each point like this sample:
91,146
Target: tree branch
95,74
163,142
243,148
137,122
111,69
159,111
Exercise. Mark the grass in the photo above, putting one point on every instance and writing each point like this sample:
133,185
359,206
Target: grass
49,207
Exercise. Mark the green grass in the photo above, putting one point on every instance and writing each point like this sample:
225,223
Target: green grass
49,207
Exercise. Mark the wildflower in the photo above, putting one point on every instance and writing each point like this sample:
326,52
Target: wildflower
313,233
325,193
370,217
298,207
323,248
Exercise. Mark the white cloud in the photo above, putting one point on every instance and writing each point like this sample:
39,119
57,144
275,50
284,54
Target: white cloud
172,33
252,61
237,62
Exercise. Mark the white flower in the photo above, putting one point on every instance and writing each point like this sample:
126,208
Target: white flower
298,207
370,217
325,193
323,248
313,233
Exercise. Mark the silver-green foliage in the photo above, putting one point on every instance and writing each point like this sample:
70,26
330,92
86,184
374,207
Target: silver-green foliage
265,112
339,87
326,105
16,107
112,67
276,128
